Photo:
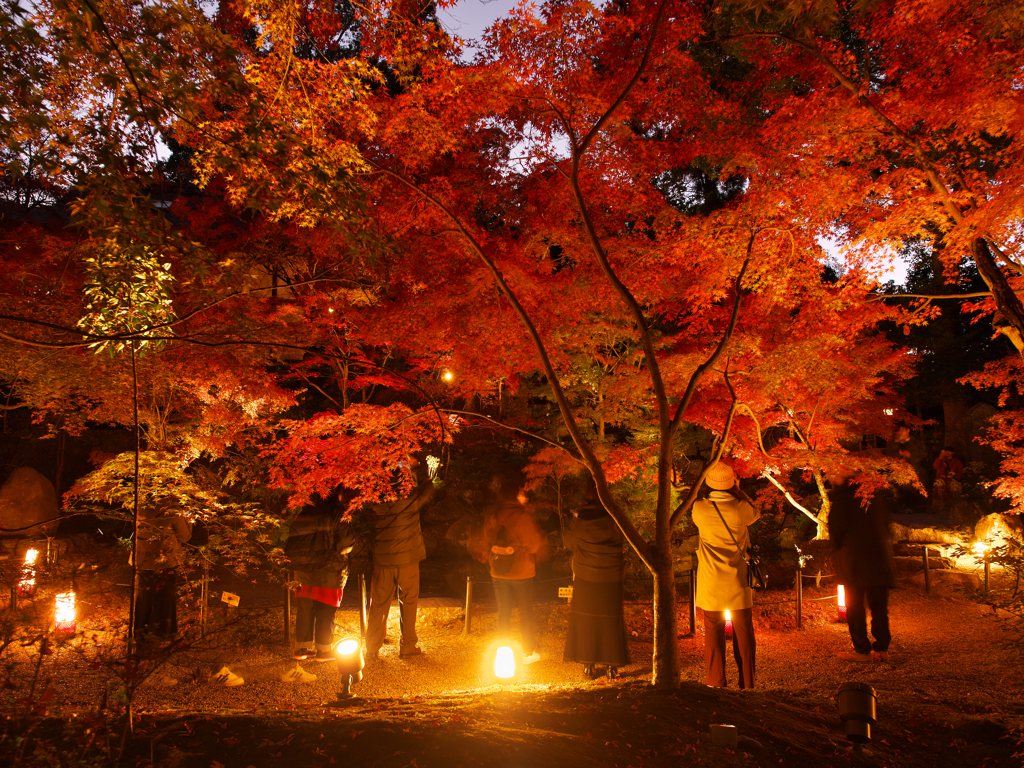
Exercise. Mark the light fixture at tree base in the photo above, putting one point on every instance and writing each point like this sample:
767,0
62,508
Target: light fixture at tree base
64,614
351,659
728,623
841,604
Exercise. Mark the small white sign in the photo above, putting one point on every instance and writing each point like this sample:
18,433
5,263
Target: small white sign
565,592
230,599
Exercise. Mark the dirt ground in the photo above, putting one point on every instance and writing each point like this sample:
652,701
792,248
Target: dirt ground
951,691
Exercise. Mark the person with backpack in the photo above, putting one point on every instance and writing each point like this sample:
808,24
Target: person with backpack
398,549
318,547
511,543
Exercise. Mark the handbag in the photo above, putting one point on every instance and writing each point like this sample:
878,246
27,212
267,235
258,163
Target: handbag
755,577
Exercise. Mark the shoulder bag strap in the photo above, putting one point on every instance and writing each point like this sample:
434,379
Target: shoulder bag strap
731,535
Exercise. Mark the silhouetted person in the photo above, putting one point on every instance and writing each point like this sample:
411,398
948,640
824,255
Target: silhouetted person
597,626
398,549
864,566
949,472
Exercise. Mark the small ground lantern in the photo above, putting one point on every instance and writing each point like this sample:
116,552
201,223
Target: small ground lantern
504,663
728,623
841,603
64,613
27,583
349,653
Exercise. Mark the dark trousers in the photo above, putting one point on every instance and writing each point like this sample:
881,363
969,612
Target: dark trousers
156,604
744,646
314,624
509,592
382,590
858,600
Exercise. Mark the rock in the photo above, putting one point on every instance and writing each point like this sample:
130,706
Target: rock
927,529
789,536
27,500
996,529
946,579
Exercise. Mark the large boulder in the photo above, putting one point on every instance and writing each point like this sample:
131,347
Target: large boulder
923,528
942,581
997,529
28,505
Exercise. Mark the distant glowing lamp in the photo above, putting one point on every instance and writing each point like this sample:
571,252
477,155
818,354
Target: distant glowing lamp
447,375
504,663
350,657
841,603
433,464
64,613
888,411
728,623
980,548
27,583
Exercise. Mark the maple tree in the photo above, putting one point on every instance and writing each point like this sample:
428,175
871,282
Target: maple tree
605,200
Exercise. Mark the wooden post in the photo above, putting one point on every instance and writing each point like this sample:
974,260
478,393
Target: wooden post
927,573
469,606
288,611
799,599
204,600
693,600
988,568
363,620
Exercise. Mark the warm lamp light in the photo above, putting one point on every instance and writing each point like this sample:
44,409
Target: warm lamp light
728,623
504,663
27,583
349,654
64,613
841,603
433,464
447,375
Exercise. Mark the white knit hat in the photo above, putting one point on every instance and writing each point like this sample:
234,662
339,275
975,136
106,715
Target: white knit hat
720,477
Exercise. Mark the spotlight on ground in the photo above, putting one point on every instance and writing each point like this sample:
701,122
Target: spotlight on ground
857,711
351,660
504,663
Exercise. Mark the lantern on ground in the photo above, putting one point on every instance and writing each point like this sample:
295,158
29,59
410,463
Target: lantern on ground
64,613
728,623
504,663
841,603
351,659
27,583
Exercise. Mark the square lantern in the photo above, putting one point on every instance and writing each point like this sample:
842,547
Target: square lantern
64,613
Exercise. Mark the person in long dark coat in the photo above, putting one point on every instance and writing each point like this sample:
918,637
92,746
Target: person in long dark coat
597,626
864,565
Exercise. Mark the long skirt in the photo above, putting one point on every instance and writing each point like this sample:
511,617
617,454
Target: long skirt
597,627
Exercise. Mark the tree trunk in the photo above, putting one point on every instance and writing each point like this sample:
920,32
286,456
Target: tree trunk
1009,317
824,509
666,633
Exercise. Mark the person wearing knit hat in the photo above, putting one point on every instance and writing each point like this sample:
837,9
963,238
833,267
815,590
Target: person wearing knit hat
722,574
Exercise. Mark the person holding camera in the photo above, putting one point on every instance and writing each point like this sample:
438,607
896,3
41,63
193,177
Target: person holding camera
722,515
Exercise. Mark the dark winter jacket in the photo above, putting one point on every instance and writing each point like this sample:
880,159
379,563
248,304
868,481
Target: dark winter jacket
860,538
318,547
399,538
161,534
596,546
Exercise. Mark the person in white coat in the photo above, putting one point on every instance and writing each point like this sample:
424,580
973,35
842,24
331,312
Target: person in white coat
722,574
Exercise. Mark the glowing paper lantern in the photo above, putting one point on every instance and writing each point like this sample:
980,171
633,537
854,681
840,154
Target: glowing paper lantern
841,603
27,584
64,613
447,375
728,623
433,464
504,663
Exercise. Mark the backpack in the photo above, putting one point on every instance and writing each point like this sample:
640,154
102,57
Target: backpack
501,562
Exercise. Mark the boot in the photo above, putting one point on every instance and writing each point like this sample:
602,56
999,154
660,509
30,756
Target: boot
588,671
612,673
